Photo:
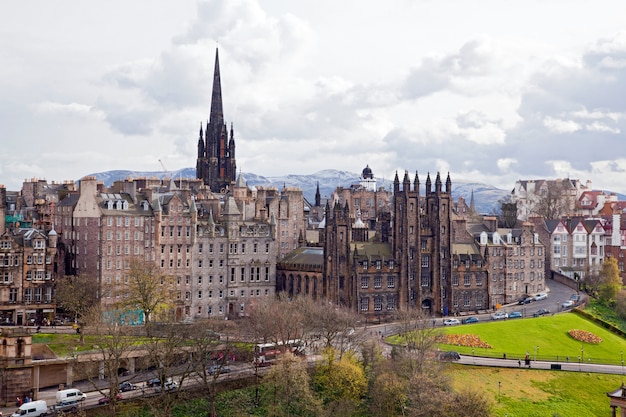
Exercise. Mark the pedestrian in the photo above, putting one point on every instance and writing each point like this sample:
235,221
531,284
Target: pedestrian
18,402
519,363
27,399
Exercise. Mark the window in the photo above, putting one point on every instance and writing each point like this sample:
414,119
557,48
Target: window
424,261
378,304
365,282
466,300
455,279
378,281
365,304
467,280
425,280
391,303
391,282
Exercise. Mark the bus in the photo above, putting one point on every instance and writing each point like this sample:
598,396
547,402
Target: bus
266,353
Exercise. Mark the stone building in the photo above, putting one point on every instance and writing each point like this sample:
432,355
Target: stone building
234,261
402,264
515,259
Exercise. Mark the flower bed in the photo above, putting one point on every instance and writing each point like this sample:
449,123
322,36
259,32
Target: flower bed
469,340
585,336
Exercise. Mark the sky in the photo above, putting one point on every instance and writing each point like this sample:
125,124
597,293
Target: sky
490,91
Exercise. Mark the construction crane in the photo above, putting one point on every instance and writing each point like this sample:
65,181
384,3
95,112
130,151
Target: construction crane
165,172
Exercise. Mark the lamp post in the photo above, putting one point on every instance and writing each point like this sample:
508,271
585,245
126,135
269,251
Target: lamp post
621,353
536,347
499,385
582,353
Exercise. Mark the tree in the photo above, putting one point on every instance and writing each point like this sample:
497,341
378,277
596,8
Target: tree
114,346
553,199
208,351
420,338
77,295
469,403
148,290
288,389
610,281
341,382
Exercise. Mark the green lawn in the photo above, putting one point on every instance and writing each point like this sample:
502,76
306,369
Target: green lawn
530,393
549,333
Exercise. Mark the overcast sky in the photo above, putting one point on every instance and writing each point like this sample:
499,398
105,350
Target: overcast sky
490,90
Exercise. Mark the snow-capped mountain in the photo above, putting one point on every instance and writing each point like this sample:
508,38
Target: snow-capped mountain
487,198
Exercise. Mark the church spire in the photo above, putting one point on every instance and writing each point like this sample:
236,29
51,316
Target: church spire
216,117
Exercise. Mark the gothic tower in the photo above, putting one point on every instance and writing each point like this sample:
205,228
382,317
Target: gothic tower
216,150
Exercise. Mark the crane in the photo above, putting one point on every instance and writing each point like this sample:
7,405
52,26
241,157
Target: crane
165,172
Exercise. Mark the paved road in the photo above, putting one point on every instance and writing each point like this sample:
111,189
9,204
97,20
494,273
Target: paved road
570,366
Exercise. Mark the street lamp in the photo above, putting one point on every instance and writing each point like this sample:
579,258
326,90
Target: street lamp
582,353
536,347
621,353
499,384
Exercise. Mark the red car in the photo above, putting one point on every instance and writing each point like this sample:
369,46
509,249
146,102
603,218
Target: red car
106,400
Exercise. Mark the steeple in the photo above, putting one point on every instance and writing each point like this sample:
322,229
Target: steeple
216,117
216,164
318,197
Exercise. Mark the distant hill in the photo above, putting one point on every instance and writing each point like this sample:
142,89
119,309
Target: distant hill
487,198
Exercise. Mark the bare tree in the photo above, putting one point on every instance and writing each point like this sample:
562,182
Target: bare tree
149,290
554,199
209,355
77,295
420,337
114,347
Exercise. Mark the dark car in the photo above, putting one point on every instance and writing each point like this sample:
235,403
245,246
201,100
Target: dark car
469,320
541,312
525,300
126,386
154,382
449,356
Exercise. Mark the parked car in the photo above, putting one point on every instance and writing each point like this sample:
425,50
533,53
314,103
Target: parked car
515,315
540,296
525,300
575,297
451,322
170,386
126,386
106,399
154,382
568,304
219,369
449,356
469,320
541,312
499,315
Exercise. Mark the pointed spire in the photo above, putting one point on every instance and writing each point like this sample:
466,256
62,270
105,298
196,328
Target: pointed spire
438,183
216,117
428,184
396,183
318,197
448,184
416,183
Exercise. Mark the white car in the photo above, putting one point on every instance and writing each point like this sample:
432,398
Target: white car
451,322
567,304
499,315
540,296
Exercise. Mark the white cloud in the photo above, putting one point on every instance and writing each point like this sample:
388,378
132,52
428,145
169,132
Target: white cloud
561,126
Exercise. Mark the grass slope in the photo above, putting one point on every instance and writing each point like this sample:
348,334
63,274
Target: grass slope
530,393
549,333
